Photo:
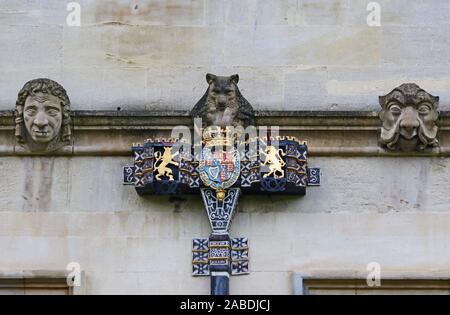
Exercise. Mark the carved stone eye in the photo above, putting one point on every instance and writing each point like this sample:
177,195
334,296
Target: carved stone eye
405,108
424,109
52,112
395,109
31,111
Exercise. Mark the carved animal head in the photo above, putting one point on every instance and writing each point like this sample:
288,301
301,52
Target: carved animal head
222,91
409,116
223,104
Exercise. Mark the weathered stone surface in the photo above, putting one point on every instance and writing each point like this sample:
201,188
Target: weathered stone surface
32,12
120,12
42,114
109,82
359,87
307,242
409,117
187,39
294,46
142,46
257,12
291,55
312,90
159,12
326,12
419,46
416,184
31,46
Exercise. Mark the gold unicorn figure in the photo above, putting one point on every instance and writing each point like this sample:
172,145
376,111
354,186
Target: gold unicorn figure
276,163
164,159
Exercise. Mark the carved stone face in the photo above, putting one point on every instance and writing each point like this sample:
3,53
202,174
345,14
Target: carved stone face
221,100
223,104
222,90
43,117
409,116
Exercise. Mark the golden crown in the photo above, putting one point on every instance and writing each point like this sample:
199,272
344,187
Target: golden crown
217,136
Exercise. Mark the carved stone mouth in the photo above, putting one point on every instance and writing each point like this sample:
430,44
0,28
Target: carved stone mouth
408,134
41,133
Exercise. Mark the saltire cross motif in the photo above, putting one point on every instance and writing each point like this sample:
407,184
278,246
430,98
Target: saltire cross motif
220,176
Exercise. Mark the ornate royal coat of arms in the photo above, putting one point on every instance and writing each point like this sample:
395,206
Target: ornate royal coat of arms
224,161
219,170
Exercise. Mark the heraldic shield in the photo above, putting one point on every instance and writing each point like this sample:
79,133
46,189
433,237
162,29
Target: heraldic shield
219,170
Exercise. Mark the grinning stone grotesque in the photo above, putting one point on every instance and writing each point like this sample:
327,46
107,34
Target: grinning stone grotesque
42,116
409,116
223,104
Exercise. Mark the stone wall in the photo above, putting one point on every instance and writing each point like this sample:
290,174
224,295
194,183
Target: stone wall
290,54
393,211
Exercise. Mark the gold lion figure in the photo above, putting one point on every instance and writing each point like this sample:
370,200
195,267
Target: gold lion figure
276,163
164,159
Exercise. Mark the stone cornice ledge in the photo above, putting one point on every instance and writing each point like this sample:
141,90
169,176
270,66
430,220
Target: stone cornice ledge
328,133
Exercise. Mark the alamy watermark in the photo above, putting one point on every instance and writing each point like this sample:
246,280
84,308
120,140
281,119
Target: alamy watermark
374,17
373,278
73,278
74,17
230,138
